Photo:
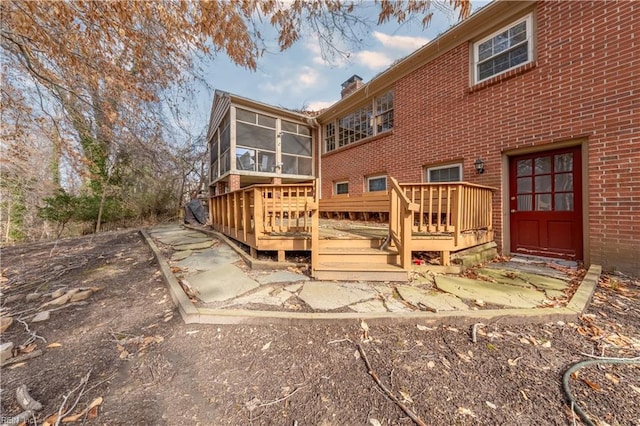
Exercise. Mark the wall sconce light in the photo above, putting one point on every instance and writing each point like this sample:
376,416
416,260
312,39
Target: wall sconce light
479,164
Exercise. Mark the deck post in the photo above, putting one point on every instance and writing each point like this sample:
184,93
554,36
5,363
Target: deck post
315,231
258,214
407,225
281,255
458,224
246,214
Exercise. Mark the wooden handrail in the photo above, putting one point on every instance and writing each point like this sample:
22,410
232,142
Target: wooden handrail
401,211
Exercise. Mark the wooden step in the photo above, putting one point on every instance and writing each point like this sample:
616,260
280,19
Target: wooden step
359,271
326,243
357,255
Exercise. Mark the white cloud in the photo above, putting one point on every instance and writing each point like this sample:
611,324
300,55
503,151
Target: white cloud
403,43
315,52
288,82
318,105
309,77
373,60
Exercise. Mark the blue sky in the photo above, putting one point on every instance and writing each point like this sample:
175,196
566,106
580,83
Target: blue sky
300,78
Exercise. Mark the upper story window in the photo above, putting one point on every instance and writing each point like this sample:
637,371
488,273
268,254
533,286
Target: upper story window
368,120
448,173
503,50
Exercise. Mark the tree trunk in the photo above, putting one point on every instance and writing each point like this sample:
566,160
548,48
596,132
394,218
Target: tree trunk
101,208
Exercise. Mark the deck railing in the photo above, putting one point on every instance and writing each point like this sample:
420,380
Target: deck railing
450,207
261,210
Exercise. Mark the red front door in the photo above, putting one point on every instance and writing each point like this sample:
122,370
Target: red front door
546,204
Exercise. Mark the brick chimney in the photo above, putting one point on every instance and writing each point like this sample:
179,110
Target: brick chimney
351,85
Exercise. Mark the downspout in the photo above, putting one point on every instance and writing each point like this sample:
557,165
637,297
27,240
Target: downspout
314,123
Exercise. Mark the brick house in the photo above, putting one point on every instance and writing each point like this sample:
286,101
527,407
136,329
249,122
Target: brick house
539,100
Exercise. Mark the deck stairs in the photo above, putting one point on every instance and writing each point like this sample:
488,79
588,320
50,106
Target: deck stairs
351,258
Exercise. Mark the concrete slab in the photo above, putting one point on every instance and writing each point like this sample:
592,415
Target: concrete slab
281,277
206,243
375,305
323,295
266,296
209,259
222,283
494,293
432,300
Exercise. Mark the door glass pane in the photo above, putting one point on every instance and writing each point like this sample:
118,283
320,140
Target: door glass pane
563,182
564,202
543,202
524,167
543,165
543,183
563,162
524,202
524,185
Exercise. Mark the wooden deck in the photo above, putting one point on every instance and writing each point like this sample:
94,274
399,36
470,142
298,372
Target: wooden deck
421,217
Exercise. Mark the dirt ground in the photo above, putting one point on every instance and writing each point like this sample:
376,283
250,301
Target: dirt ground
127,345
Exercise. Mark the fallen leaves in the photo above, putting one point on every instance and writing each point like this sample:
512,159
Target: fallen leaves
596,333
365,331
136,345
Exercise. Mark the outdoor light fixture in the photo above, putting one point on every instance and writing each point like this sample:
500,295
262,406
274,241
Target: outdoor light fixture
479,163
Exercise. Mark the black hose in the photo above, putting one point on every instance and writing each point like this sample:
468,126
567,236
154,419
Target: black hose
577,366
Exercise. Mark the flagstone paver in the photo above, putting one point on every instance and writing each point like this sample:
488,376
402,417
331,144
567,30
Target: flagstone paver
323,295
432,300
281,277
222,283
494,293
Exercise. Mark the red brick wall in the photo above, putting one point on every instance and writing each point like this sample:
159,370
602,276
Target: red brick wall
584,84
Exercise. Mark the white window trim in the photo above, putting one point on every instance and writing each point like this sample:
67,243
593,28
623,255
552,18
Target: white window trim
369,178
335,187
530,39
445,166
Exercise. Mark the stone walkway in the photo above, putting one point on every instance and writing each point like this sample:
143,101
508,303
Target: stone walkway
219,279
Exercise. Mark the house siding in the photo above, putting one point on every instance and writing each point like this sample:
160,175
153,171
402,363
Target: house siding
582,86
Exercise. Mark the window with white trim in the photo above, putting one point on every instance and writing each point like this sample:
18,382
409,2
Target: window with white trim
503,50
368,120
340,188
447,173
376,183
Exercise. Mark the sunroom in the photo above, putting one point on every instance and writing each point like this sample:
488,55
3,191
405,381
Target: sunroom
253,143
